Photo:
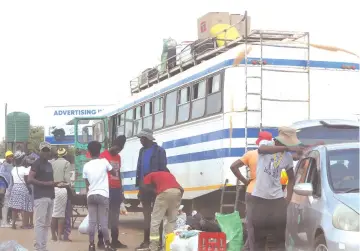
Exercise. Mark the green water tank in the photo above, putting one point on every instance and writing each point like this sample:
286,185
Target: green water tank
17,127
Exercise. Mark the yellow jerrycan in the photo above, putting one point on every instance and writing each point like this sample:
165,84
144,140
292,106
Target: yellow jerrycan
169,238
224,32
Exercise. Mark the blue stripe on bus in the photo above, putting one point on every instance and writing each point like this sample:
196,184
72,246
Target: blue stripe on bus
229,62
197,156
217,135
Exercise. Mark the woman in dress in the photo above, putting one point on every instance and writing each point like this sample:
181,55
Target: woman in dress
20,195
27,162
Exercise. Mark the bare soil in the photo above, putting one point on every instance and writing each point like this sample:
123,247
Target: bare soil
130,228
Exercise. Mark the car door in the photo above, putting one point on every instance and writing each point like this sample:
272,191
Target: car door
313,206
294,210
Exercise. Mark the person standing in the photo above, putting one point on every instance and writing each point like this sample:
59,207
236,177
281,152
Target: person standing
152,158
268,204
95,173
27,162
6,177
61,169
249,159
68,210
167,203
116,196
20,199
41,176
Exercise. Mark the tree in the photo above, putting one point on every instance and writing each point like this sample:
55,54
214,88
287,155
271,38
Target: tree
36,136
2,149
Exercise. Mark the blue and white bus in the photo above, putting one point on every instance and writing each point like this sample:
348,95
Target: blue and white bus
208,111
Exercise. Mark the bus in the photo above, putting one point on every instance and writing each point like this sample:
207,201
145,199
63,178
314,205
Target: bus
207,111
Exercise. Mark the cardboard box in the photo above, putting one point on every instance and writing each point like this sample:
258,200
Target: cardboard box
210,19
235,19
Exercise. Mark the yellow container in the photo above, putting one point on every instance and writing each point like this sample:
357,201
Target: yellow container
169,238
284,178
224,32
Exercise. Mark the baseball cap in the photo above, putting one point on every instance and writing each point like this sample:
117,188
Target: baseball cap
44,145
264,135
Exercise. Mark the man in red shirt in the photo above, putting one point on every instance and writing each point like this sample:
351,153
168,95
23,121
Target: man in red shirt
116,196
168,199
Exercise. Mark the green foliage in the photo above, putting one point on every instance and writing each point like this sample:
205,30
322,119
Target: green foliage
36,136
2,149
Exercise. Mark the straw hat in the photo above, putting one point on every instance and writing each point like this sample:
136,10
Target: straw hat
61,152
287,136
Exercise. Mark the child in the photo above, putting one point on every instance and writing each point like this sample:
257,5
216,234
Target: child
95,173
167,202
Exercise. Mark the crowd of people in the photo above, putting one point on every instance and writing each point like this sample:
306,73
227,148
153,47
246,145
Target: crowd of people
41,185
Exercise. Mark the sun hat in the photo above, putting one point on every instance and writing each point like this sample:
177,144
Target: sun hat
287,136
61,152
146,133
264,135
8,154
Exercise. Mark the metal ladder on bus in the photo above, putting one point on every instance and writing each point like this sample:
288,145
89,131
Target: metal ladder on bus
264,36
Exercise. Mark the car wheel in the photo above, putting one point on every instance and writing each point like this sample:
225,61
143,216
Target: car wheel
320,243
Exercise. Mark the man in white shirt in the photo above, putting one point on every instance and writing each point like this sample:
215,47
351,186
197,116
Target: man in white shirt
95,173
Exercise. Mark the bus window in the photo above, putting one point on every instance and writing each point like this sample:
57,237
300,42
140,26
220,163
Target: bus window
170,108
198,100
213,104
158,113
129,118
147,123
184,105
120,128
328,135
92,130
138,120
98,131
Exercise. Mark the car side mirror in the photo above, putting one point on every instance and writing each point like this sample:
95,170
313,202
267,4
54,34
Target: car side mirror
304,189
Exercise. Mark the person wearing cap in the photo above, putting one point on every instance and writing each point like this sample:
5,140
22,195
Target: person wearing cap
6,181
168,199
61,168
41,176
152,158
116,195
249,159
268,204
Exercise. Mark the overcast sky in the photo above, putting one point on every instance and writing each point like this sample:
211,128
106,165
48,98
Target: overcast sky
86,52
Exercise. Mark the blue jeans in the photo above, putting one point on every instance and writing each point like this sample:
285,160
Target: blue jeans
115,200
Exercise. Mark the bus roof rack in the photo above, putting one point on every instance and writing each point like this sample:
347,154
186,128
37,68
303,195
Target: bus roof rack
181,62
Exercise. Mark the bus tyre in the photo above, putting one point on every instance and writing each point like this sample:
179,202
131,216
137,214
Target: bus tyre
320,243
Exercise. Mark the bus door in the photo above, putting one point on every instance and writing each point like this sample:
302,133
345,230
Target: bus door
86,130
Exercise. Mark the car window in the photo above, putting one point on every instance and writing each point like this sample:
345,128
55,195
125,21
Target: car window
343,169
313,176
301,171
311,135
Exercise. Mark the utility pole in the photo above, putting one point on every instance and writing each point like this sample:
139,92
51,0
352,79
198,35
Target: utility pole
5,126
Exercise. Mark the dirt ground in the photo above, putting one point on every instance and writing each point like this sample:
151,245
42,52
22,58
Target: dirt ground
130,228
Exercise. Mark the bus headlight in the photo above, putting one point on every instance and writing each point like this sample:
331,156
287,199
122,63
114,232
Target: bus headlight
344,218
